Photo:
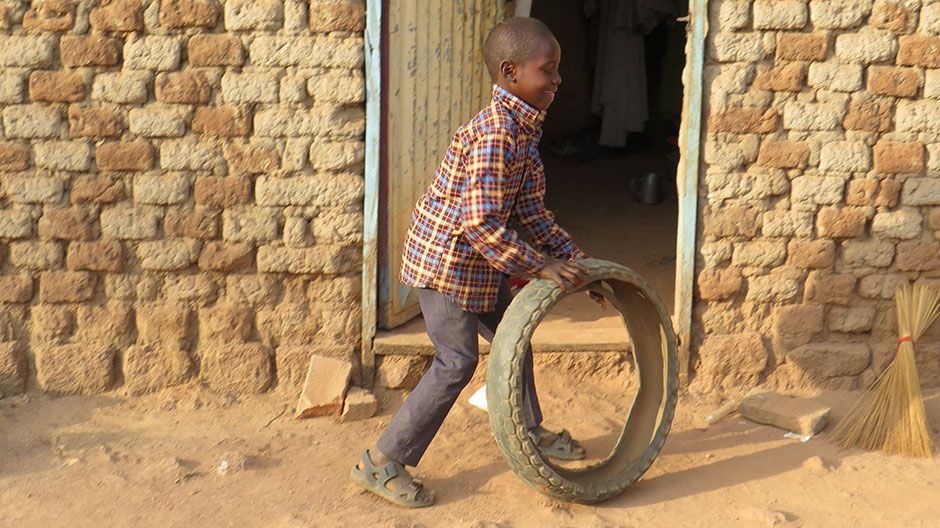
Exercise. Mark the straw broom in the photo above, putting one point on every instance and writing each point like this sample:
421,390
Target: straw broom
890,416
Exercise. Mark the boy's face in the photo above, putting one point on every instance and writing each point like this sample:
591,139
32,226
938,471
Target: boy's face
536,80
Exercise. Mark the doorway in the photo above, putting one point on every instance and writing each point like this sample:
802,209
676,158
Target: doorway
610,143
567,195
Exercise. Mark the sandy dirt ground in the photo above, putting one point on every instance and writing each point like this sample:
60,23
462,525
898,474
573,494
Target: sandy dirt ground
187,457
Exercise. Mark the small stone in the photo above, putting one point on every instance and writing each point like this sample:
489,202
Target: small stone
802,416
816,465
231,463
325,387
360,404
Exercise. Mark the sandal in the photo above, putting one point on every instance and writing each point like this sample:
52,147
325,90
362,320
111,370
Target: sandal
375,479
563,448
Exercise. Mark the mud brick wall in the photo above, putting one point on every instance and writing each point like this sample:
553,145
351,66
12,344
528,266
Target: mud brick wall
820,189
181,189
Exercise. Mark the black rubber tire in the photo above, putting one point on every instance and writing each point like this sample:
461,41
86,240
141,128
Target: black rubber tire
649,418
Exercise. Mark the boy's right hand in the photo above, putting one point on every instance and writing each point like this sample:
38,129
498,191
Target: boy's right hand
566,273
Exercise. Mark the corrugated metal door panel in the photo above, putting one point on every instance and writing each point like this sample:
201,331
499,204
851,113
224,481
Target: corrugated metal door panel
436,81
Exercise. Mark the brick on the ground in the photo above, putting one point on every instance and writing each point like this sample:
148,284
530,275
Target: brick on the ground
360,404
799,415
325,387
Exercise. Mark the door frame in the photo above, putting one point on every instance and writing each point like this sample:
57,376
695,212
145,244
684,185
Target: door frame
687,176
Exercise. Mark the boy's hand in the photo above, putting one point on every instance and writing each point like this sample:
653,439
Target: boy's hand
565,273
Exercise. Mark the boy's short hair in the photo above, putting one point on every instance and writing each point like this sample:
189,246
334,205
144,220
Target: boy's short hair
514,40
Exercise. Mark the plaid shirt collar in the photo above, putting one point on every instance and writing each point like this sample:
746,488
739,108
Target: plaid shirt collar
528,117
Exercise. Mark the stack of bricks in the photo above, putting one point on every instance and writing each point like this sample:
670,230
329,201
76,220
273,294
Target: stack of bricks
820,189
181,185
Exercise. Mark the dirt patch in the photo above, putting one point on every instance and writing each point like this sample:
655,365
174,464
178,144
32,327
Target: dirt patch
188,457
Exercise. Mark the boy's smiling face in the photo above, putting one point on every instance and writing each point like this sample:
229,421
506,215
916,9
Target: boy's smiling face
536,80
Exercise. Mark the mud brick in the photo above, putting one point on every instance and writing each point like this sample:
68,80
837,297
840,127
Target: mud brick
784,154
50,15
844,222
179,14
237,369
897,158
13,368
16,288
95,121
89,50
198,223
919,50
97,189
56,86
164,325
825,287
66,286
869,191
223,121
874,116
225,323
215,50
124,156
98,255
225,256
802,46
248,159
118,15
70,223
14,156
222,191
85,368
744,121
893,82
183,87
337,15
783,78
149,369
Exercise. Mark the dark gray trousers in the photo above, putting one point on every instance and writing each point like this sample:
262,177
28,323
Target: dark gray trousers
454,333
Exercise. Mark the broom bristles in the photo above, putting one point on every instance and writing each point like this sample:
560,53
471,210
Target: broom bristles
890,416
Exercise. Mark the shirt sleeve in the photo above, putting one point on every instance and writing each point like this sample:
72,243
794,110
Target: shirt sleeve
538,221
482,207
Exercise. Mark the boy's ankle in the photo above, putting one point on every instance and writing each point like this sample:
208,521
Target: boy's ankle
378,457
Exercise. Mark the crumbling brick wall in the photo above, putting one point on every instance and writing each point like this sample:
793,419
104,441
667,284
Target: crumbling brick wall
819,190
181,185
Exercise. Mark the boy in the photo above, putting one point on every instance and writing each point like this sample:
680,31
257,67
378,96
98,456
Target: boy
459,252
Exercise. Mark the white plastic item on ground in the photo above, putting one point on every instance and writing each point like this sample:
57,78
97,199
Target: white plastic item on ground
798,436
478,398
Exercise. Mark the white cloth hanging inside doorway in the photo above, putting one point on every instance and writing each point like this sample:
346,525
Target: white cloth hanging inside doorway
619,94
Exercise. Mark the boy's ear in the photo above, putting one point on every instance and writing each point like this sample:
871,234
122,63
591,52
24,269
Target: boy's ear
508,70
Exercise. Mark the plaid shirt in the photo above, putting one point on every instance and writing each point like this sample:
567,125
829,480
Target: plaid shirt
458,242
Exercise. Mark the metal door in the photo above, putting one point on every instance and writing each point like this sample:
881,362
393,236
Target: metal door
434,80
